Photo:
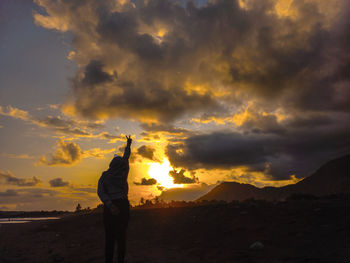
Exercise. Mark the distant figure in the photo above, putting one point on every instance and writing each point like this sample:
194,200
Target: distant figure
113,192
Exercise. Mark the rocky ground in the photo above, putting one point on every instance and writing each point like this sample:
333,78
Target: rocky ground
293,231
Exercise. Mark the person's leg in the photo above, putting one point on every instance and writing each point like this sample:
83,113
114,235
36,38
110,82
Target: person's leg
121,230
121,240
109,236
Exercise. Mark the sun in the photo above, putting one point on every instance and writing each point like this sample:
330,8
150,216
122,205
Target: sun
160,172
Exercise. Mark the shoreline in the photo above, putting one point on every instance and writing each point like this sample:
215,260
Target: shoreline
20,220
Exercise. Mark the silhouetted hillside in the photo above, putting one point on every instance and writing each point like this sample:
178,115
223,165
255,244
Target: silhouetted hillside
331,178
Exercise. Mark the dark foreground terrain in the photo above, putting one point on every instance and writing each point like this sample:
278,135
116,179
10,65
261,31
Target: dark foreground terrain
293,231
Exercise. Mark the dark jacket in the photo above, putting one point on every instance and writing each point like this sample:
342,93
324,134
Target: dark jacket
113,183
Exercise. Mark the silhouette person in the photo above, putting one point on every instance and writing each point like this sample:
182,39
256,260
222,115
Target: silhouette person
113,192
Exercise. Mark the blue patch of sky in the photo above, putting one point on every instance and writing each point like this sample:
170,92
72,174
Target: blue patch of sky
34,68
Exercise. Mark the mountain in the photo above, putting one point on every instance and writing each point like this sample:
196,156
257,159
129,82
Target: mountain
229,191
331,178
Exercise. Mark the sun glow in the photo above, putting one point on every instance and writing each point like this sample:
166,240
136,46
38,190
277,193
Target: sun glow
160,172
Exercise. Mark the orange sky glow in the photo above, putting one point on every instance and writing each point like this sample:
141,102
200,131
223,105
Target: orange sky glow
252,91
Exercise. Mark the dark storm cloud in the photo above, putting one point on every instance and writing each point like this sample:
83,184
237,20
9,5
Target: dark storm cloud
299,152
310,121
11,179
147,152
150,102
171,58
94,74
219,149
145,181
58,182
180,178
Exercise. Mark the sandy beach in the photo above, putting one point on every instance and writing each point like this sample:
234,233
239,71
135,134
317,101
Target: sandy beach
293,231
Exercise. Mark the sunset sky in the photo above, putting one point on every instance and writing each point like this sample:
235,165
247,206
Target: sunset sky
253,91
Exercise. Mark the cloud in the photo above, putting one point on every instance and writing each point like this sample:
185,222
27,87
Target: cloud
58,182
134,58
67,153
11,179
15,113
60,125
147,152
145,181
96,153
26,195
298,152
218,149
165,128
275,76
85,189
16,156
9,193
110,137
180,178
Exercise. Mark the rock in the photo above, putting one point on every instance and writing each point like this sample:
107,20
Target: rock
256,246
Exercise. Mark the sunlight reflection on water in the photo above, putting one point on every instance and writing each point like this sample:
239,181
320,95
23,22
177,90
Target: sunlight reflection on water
24,219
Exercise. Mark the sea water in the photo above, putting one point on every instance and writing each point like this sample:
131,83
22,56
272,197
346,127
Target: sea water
15,220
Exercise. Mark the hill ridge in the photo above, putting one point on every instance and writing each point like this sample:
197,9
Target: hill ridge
333,177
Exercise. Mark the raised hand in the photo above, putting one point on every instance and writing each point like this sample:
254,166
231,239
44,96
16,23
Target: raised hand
129,140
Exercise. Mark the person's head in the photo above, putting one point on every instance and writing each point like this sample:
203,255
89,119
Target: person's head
118,163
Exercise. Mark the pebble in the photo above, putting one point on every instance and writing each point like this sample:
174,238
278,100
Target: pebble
256,246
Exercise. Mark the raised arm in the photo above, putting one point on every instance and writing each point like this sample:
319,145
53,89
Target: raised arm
127,150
